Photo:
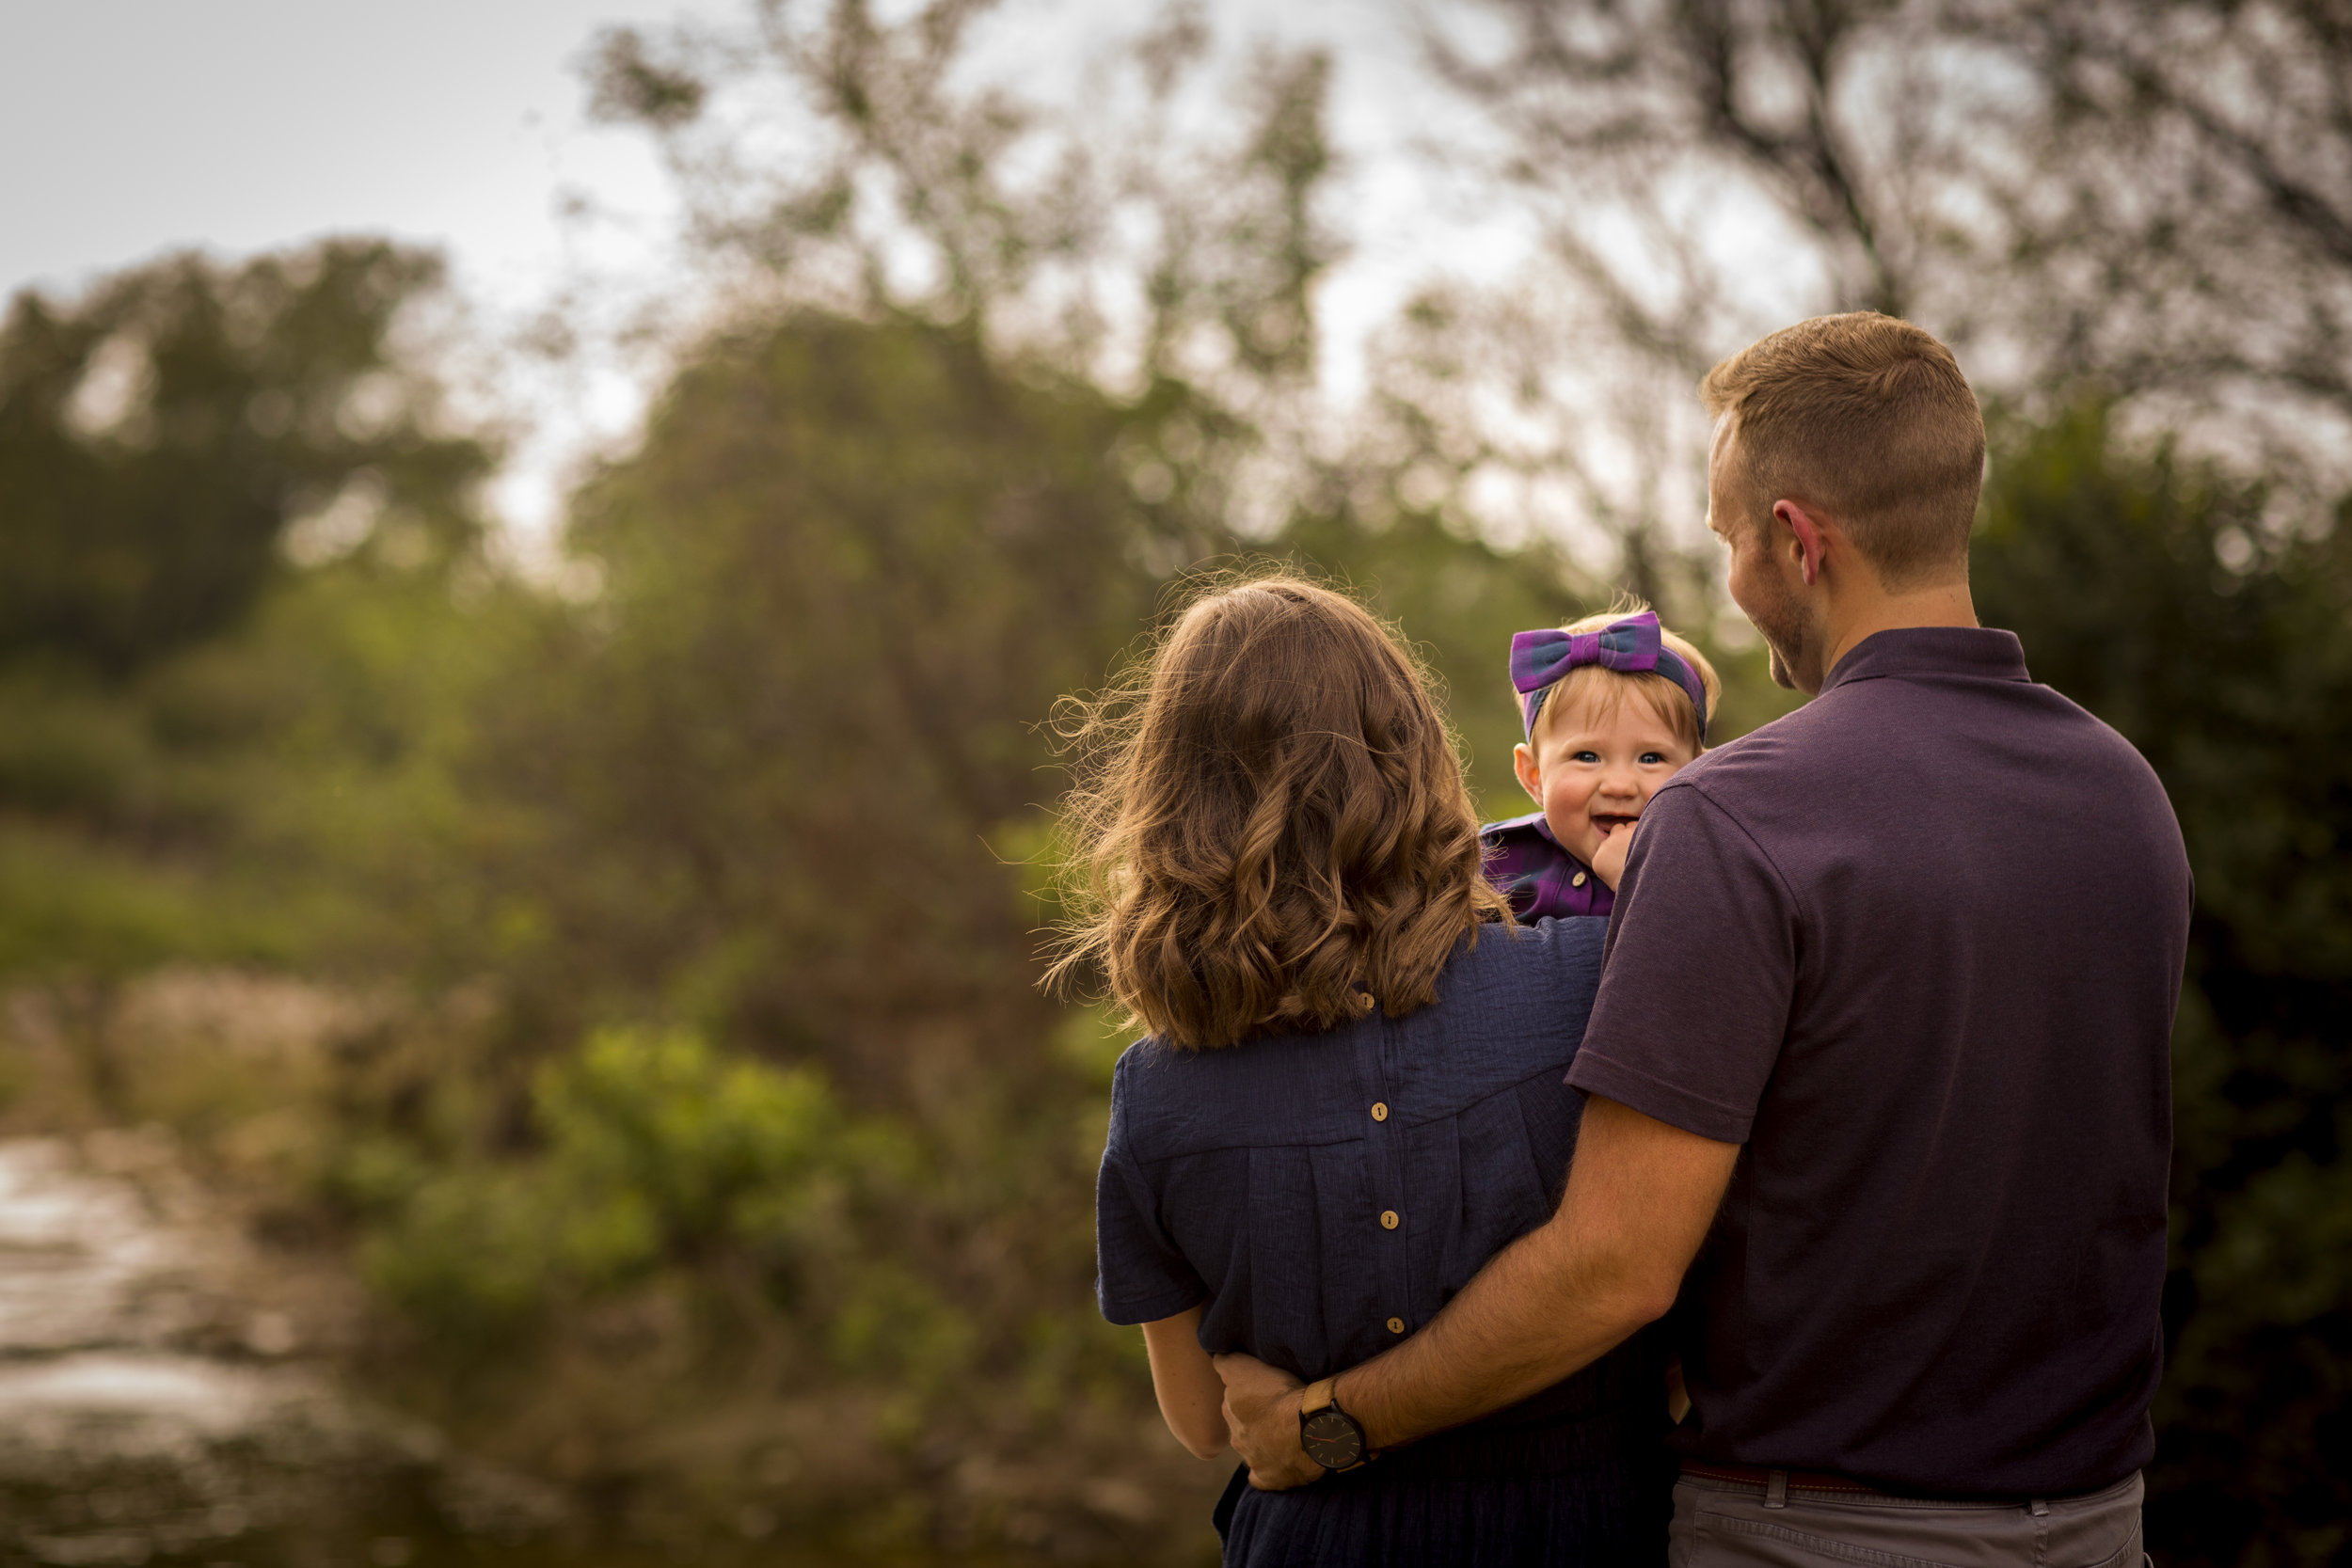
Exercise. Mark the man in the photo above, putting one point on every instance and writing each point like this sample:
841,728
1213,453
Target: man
1884,1023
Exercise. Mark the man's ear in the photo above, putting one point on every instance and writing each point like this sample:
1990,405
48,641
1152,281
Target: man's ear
1530,776
1812,548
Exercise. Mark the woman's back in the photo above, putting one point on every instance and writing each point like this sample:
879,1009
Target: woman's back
1323,1196
1264,1178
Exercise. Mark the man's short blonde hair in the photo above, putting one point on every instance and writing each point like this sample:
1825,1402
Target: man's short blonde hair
1869,418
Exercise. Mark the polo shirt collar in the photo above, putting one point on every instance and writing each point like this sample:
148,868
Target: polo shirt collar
1982,653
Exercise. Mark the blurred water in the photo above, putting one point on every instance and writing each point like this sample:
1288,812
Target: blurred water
148,1415
157,1411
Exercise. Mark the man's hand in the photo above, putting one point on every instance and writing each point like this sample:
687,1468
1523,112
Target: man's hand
1262,1413
1609,860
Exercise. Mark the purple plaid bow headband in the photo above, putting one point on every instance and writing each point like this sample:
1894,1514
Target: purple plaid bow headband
1631,646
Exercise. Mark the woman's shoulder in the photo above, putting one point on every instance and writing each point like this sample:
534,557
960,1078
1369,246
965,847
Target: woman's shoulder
1269,1091
1540,963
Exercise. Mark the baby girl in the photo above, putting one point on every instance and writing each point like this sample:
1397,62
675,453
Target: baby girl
1614,705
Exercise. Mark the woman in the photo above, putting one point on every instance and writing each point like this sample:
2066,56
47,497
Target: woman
1349,1095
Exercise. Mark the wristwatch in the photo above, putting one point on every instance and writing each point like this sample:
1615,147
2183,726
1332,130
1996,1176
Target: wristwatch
1332,1437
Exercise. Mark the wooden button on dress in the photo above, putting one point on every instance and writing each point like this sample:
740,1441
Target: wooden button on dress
1388,1220
1379,1111
1396,1326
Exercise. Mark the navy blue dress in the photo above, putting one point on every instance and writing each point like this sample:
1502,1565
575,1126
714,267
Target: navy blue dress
1325,1195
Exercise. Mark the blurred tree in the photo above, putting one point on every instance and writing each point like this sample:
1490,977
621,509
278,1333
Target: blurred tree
2185,222
915,493
786,754
158,437
173,446
1127,239
196,461
2152,591
2153,198
2158,194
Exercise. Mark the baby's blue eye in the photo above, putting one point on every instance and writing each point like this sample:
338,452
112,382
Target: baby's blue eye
1587,756
1648,758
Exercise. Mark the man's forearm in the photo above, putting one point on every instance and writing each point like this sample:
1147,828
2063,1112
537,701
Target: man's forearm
1530,1318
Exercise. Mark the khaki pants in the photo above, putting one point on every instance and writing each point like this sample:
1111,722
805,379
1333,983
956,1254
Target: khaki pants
1721,1523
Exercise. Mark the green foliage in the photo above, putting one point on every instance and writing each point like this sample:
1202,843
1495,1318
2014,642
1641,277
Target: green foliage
654,1153
157,437
112,911
234,524
2157,593
845,575
719,1152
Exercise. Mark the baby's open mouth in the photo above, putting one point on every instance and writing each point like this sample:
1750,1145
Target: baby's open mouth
1609,821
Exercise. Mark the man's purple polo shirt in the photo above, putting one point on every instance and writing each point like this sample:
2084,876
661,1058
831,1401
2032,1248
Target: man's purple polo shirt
1917,946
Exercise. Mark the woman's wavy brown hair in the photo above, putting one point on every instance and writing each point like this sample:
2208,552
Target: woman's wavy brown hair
1271,829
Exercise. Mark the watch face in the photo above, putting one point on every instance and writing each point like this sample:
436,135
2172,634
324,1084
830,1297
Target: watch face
1333,1439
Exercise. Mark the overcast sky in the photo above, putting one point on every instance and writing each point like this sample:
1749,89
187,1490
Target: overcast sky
135,126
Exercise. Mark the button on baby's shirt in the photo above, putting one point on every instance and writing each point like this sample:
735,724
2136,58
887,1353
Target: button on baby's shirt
1379,1111
1388,1220
1396,1326
1577,881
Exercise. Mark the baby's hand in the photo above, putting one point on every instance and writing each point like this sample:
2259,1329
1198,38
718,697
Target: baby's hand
1609,860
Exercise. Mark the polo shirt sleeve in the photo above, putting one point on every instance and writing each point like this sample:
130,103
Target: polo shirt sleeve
1140,1276
1699,976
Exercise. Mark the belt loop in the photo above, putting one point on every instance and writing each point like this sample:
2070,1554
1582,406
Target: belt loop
1776,1489
2040,1508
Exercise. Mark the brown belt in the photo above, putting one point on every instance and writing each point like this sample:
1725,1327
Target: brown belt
1798,1480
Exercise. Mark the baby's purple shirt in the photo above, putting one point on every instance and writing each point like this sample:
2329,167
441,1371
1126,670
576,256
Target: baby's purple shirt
1529,866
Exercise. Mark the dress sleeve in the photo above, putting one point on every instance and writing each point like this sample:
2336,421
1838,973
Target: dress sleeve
1140,1276
1699,976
